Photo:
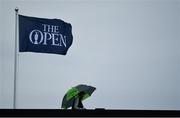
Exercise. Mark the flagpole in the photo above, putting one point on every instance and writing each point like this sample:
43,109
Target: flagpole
15,58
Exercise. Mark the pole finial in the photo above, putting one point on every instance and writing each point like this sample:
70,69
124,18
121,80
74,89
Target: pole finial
16,9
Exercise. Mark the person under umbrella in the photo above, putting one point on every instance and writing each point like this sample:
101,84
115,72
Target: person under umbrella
74,96
77,102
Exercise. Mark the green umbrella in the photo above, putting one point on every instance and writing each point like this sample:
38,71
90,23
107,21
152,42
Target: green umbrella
73,93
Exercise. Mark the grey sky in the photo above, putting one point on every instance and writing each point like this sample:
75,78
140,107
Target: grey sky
129,50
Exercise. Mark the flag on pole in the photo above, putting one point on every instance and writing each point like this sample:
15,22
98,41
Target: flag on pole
44,35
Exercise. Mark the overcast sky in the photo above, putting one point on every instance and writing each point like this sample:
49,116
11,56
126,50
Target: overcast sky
129,50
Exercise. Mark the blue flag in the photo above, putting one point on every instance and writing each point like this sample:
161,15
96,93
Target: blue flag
44,35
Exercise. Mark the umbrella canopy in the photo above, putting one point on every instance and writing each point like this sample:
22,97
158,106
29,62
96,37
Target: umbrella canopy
73,93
